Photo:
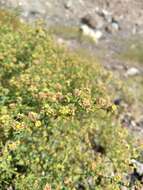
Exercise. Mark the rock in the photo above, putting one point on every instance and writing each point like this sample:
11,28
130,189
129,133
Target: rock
89,21
63,42
138,166
137,174
117,101
94,34
106,15
132,72
98,34
95,22
10,188
112,27
105,12
109,29
124,188
68,4
60,41
115,26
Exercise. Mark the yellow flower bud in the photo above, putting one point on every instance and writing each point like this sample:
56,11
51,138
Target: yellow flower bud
38,123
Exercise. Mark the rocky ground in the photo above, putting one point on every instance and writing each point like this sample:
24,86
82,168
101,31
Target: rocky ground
106,20
125,15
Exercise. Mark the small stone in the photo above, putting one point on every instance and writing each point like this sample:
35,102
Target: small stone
62,41
133,123
98,34
68,4
94,34
138,166
115,26
93,22
106,15
132,72
109,29
117,101
105,12
89,21
124,188
10,188
108,18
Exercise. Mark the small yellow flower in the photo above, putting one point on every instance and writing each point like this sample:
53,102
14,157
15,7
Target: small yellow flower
64,110
49,110
117,178
4,118
12,146
18,127
38,123
114,108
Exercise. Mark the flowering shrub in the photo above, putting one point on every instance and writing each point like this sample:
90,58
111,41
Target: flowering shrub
57,124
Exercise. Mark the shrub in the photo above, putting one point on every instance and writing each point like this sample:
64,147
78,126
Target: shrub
57,121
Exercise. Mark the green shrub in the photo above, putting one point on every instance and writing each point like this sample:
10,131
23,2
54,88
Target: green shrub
57,123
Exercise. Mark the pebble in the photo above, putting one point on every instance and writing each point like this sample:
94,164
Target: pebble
132,72
94,22
98,34
109,29
62,41
68,4
117,101
10,188
124,188
94,34
139,166
115,26
107,15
